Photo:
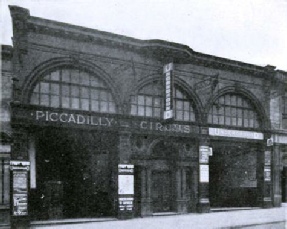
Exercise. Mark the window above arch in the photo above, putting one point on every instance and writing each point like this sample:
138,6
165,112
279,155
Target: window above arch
73,89
149,102
233,110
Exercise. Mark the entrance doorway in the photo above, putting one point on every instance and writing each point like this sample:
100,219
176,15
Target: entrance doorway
76,172
233,177
161,191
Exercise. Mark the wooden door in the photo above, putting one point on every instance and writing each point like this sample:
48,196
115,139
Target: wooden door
161,191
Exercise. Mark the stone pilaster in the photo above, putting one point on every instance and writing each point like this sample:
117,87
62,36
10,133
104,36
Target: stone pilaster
181,198
146,202
276,176
203,184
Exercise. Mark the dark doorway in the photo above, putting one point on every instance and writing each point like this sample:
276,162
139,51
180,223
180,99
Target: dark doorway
76,174
161,191
233,177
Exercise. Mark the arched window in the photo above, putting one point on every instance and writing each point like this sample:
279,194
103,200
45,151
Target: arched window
73,89
233,110
149,103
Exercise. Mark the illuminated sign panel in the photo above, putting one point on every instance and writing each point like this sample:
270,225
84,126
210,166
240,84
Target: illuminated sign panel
168,81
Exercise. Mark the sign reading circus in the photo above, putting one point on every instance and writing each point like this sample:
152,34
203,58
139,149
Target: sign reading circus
109,121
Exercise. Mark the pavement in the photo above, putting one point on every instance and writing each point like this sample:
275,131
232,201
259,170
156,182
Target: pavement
274,218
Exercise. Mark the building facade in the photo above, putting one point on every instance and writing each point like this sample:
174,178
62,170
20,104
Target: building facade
98,124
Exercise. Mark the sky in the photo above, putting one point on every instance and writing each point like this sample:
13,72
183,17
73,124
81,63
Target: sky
250,31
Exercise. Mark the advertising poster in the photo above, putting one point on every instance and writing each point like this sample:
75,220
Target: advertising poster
20,197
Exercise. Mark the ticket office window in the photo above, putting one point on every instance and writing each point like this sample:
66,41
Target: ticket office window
73,89
149,102
233,110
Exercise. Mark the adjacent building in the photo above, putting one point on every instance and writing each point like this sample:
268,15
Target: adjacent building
97,124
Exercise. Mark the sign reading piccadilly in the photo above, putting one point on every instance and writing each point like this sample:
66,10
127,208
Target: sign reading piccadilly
108,121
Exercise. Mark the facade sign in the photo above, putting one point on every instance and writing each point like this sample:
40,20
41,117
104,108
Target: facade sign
204,173
204,153
126,203
235,133
103,121
267,173
267,157
20,193
168,82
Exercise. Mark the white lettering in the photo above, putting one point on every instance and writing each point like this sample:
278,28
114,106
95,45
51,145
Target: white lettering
61,117
51,117
39,114
143,125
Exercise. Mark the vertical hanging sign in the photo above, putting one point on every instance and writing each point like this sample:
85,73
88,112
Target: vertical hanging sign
168,82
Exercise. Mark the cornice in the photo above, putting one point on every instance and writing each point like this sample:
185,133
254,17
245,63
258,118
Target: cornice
162,50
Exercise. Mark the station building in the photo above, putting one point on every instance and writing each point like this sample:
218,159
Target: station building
95,124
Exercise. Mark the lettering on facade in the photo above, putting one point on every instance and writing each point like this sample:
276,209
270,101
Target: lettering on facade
106,122
168,79
235,133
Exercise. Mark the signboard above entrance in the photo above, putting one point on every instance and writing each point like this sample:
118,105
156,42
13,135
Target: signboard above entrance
236,133
168,81
45,116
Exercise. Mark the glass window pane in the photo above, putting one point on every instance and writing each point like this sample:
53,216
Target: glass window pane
156,112
239,121
55,89
239,101
233,112
65,75
94,82
178,94
55,101
227,121
44,100
245,122
149,111
75,92
179,115
141,110
245,112
221,100
233,100
133,100
186,105
65,90
85,104
134,110
112,107
75,103
95,105
55,76
84,78
104,96
65,102
215,119
221,119
35,99
85,92
239,112
227,111
192,117
141,100
44,88
186,116
104,106
179,105
148,100
95,94
233,122
157,102
227,99
251,122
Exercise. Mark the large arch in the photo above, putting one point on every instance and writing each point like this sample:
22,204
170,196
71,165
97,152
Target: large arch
56,63
180,83
259,108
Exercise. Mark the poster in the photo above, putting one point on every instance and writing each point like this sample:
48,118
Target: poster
20,190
